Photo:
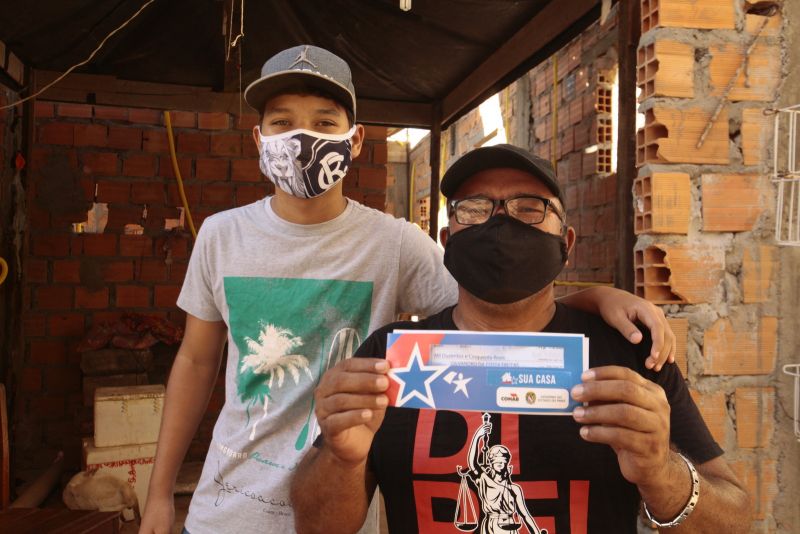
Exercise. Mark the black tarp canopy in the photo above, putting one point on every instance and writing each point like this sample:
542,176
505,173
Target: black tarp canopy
428,65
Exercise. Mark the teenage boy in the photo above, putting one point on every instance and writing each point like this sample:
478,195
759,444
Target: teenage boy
294,283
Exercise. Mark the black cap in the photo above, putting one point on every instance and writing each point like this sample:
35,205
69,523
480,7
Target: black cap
498,156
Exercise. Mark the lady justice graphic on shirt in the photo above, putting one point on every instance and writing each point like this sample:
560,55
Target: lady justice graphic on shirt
502,502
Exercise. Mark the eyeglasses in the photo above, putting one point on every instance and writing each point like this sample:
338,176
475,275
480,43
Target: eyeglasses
530,209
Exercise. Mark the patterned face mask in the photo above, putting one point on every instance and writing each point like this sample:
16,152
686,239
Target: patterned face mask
303,163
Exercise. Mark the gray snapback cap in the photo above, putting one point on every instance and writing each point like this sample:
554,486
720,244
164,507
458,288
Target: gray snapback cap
303,65
499,156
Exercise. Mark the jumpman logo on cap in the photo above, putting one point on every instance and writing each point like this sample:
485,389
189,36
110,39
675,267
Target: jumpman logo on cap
302,57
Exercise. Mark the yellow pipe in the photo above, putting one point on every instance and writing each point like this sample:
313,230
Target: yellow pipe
3,270
177,172
554,110
411,192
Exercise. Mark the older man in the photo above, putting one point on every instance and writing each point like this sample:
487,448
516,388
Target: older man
639,438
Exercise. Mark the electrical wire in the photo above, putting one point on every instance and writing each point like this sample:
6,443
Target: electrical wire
177,170
84,62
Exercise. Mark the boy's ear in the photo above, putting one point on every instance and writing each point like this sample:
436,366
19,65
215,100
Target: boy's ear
256,138
357,141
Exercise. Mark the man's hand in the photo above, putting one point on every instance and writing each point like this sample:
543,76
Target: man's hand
158,517
631,415
350,406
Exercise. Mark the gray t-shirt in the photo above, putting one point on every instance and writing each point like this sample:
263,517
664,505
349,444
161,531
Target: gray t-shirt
296,300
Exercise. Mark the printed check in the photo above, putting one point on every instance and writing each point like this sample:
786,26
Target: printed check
529,373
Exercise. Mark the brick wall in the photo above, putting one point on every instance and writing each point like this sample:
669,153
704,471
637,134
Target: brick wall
73,281
572,124
704,216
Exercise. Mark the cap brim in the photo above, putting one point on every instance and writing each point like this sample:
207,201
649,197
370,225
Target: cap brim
261,90
493,157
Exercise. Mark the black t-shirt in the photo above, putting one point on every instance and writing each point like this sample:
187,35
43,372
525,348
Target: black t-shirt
568,484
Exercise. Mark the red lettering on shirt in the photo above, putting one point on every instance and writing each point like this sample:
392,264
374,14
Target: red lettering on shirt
426,464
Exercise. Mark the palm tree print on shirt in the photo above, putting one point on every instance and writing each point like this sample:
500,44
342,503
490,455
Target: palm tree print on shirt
271,356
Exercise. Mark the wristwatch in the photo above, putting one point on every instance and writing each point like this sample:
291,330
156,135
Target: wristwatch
693,498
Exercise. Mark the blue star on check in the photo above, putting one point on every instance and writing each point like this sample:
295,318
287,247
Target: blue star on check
415,379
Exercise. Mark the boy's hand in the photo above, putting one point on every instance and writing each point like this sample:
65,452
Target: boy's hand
159,516
624,308
350,406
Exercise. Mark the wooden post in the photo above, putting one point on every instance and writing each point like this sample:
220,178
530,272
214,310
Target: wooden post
436,153
629,33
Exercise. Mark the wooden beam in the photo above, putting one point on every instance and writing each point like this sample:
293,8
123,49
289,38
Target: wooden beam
546,26
629,33
393,113
435,159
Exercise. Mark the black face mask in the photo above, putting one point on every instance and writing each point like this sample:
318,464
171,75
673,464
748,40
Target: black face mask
504,260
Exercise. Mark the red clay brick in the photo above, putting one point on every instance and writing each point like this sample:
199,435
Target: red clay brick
680,327
133,296
364,157
247,194
91,135
226,145
110,113
144,116
43,110
112,191
183,119
139,165
79,111
33,324
54,297
135,245
246,170
193,142
151,271
94,245
147,193
192,195
35,270
67,271
177,272
120,215
741,349
662,203
50,245
758,265
155,141
64,324
708,14
213,121
30,380
714,410
380,153
731,202
758,475
100,163
375,132
218,195
247,121
376,201
184,166
118,271
755,414
249,147
166,296
370,178
57,133
84,298
213,169
106,316
124,138
62,380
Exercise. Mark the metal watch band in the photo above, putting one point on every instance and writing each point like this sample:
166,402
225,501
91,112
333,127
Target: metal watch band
695,496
